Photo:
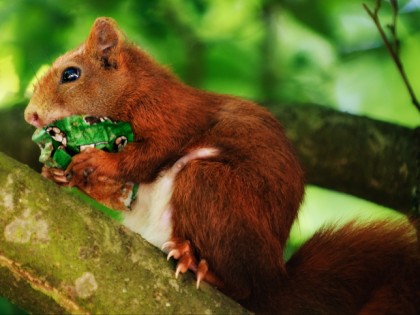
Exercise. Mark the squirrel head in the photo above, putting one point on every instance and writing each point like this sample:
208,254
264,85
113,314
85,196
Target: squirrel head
92,79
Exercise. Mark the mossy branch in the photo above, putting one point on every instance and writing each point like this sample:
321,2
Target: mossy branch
60,255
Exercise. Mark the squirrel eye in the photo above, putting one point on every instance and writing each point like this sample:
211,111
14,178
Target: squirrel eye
70,74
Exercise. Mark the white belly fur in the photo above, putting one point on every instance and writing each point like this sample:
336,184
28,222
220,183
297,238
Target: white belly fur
151,214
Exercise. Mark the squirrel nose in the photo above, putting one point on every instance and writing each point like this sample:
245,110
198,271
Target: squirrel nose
33,119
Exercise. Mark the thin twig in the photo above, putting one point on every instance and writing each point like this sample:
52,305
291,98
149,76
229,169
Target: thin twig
378,6
393,51
393,27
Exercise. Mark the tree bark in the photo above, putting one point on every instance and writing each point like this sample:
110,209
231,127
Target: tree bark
60,255
363,157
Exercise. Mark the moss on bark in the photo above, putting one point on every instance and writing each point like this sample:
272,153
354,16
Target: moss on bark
61,255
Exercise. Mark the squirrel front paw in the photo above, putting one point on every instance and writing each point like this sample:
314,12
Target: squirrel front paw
90,167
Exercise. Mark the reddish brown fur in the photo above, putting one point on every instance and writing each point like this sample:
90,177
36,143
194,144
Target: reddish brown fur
236,209
357,269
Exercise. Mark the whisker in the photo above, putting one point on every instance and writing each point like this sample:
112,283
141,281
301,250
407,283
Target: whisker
33,70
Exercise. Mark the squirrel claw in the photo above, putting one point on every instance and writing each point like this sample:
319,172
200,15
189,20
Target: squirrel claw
186,261
173,253
202,270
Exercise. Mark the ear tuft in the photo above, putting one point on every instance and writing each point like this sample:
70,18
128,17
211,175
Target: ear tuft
104,41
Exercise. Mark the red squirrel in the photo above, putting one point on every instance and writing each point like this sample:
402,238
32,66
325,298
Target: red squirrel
220,186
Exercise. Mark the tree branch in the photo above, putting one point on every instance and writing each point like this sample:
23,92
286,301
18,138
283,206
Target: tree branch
393,51
367,158
59,255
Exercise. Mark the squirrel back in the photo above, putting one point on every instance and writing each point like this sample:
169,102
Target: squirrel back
232,211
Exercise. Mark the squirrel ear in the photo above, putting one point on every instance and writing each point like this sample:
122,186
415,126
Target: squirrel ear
104,41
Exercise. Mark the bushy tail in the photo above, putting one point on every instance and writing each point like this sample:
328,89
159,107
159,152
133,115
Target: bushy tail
356,269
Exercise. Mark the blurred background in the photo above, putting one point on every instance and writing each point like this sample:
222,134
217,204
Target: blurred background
273,51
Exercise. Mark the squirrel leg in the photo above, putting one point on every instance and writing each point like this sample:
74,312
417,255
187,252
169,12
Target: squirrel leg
182,251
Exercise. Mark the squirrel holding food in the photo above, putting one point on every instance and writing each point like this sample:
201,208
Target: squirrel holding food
219,187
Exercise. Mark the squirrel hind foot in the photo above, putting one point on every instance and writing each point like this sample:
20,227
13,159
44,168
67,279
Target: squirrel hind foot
181,250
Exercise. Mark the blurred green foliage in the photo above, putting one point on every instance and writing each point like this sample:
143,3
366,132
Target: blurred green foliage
275,51
8,309
285,51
